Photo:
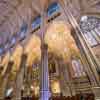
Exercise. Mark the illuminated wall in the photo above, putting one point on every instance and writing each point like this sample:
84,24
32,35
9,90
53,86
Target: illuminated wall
16,56
60,41
33,49
55,87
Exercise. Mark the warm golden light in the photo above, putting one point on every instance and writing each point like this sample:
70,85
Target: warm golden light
33,49
36,88
59,39
16,57
55,86
5,62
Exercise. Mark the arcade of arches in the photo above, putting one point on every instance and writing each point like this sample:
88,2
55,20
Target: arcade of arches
55,57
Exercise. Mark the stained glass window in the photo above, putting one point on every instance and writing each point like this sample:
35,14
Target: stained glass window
13,40
52,9
23,30
97,30
91,29
36,22
91,40
78,68
1,50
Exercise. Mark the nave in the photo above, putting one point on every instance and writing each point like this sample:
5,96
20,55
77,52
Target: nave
50,50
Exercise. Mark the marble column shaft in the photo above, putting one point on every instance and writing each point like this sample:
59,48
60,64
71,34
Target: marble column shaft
44,74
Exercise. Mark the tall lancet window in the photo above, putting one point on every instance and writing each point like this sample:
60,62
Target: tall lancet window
77,68
91,29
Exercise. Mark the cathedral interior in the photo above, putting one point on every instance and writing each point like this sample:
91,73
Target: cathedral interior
49,49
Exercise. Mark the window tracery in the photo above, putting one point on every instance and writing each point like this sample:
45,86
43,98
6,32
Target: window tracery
91,29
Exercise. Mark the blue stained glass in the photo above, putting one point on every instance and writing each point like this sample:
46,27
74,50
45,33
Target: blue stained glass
13,40
22,35
53,8
36,23
1,50
24,28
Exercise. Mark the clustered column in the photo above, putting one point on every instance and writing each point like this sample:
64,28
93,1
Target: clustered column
6,77
44,74
20,77
44,78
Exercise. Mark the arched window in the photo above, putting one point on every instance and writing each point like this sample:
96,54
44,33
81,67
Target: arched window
36,22
23,31
91,29
53,8
13,40
77,68
1,50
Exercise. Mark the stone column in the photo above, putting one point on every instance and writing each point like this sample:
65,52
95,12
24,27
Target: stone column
84,47
20,78
85,62
5,78
44,73
64,82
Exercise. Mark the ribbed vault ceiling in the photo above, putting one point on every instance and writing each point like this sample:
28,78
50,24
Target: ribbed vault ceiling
13,12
